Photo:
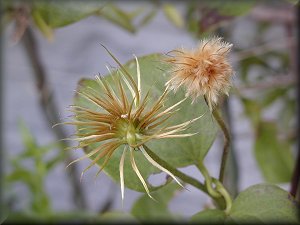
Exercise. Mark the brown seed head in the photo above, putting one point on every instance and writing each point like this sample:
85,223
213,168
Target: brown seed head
204,71
123,119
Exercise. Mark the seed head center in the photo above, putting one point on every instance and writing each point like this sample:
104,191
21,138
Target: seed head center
127,131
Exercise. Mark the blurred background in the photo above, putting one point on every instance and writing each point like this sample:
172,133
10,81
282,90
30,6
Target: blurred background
48,46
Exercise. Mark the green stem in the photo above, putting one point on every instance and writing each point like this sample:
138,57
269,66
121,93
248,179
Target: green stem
208,181
223,127
176,172
225,131
205,188
220,188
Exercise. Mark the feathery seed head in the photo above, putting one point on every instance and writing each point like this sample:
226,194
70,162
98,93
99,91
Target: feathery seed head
204,71
123,119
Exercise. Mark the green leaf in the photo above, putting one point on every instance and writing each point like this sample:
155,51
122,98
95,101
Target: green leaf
56,14
39,201
135,13
115,216
294,2
21,174
117,16
208,216
147,18
146,209
173,15
27,138
264,203
232,7
247,63
273,156
42,25
252,109
192,18
3,216
54,161
287,113
178,152
273,95
214,13
33,179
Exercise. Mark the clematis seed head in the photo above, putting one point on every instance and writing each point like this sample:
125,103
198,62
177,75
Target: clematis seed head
204,71
121,117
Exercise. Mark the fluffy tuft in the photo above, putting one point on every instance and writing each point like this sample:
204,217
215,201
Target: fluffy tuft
204,71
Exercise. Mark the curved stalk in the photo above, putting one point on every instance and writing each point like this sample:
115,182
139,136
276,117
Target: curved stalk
226,134
208,181
177,173
220,188
219,191
225,131
190,180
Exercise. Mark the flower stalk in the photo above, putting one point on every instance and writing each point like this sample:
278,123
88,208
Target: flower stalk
185,178
206,71
219,193
208,181
226,148
228,201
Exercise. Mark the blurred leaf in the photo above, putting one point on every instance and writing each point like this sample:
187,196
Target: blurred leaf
232,173
215,13
148,17
7,13
118,17
27,138
73,217
178,152
283,59
273,156
34,178
21,174
231,7
32,150
146,209
54,161
22,217
173,15
294,2
41,202
135,13
45,29
39,198
58,14
264,203
287,113
247,63
115,216
252,109
273,95
209,216
3,217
